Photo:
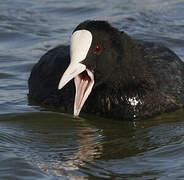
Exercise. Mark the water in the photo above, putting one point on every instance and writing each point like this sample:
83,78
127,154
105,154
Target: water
39,143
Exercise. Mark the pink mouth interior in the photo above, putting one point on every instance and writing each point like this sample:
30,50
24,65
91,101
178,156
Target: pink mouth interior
83,81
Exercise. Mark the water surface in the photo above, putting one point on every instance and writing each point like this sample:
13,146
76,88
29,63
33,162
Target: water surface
39,143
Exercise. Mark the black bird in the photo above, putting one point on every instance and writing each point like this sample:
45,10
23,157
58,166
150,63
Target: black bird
114,75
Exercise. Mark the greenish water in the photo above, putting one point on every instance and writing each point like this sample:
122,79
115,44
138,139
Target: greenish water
47,145
40,143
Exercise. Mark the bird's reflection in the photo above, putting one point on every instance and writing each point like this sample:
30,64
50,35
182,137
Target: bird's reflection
75,149
90,147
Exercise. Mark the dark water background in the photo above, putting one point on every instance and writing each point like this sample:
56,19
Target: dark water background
39,144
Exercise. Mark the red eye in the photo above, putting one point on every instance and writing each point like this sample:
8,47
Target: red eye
98,49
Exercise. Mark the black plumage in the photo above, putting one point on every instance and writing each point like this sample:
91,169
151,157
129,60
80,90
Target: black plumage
133,79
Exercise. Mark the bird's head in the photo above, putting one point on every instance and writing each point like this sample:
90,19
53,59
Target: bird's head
95,50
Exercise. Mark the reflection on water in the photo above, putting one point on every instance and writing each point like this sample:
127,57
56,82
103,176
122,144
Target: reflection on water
93,148
89,148
57,144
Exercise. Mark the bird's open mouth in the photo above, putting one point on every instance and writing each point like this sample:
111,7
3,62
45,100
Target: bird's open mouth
83,83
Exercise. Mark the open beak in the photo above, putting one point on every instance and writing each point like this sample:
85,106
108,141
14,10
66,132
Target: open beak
83,77
84,81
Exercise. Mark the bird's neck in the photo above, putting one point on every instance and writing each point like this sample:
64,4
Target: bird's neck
132,73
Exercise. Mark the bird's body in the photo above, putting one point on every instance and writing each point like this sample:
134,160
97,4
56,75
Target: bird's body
143,80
